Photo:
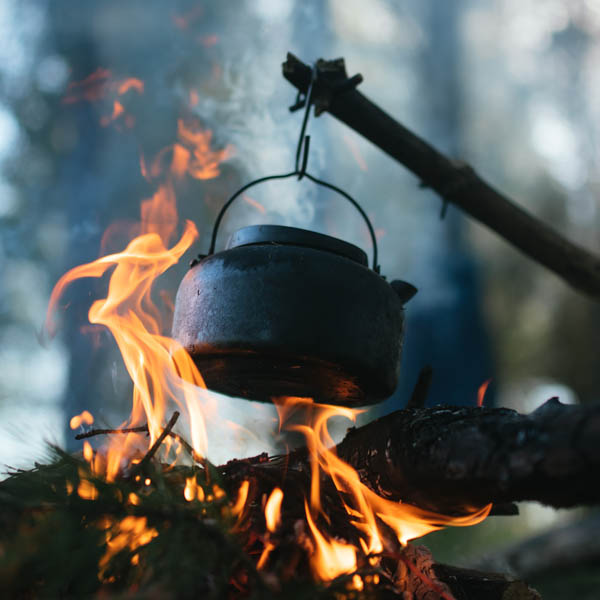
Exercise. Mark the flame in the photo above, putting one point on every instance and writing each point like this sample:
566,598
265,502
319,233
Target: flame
164,375
92,88
481,392
254,204
262,561
273,509
131,532
357,582
240,503
130,83
86,489
118,110
192,490
88,452
162,372
364,506
331,558
101,84
84,417
195,154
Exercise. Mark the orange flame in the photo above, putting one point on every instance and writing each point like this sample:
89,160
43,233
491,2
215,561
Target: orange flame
192,490
481,392
84,417
87,490
262,561
254,204
101,84
331,558
88,452
92,88
195,154
273,509
130,83
131,532
161,370
164,375
240,503
363,505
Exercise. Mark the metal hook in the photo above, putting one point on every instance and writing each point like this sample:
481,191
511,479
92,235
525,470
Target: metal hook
302,149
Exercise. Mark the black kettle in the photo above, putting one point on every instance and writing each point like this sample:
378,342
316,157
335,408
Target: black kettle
290,312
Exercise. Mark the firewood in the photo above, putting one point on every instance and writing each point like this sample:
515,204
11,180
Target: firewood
450,459
467,584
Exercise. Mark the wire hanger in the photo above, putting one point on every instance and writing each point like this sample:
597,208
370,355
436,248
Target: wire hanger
302,150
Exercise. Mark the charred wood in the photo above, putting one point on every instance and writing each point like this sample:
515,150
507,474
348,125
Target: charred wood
455,182
467,584
419,577
450,459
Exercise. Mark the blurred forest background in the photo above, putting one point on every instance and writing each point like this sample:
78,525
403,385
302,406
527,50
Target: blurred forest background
510,86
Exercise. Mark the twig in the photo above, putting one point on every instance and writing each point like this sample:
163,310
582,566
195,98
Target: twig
94,432
140,429
419,395
159,440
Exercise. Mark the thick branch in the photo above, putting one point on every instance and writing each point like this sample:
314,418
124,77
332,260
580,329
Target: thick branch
455,182
450,458
467,584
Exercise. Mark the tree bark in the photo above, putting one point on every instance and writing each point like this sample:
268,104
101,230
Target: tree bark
454,181
466,584
450,459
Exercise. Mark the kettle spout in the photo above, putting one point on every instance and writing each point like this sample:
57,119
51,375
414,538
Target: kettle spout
404,290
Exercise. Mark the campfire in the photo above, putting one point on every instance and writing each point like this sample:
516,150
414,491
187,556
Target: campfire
142,512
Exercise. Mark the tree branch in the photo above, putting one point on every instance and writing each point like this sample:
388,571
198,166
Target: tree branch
455,182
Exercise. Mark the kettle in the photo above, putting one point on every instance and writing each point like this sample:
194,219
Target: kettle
283,311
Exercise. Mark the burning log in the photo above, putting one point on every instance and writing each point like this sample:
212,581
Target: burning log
451,459
468,583
456,182
175,533
420,575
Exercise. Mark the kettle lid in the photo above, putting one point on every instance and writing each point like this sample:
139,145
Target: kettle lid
293,236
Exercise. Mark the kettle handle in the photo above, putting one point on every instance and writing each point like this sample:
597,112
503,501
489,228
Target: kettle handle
215,231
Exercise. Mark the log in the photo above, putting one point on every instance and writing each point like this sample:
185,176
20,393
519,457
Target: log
455,182
467,584
451,459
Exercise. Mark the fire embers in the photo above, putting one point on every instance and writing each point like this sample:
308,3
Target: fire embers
307,514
